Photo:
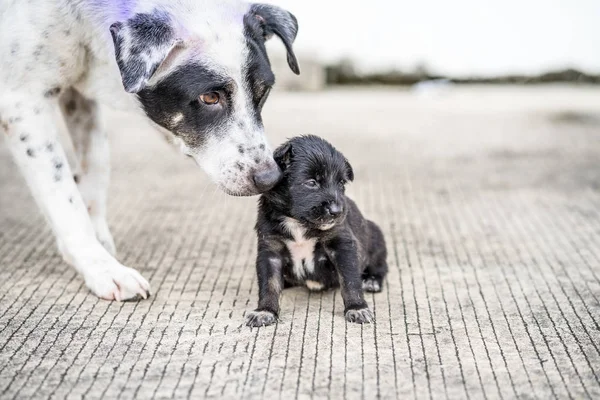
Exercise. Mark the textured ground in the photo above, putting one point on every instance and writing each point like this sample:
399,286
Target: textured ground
490,202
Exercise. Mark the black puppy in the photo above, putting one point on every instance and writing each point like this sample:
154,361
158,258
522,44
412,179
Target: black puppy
310,234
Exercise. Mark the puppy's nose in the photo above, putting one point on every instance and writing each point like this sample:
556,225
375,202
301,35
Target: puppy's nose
265,179
334,209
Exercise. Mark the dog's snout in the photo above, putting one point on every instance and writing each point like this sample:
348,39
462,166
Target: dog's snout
334,209
265,179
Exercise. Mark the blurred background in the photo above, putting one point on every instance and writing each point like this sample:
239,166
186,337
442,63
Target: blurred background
473,128
465,41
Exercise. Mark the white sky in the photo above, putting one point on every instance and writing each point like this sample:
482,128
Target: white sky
457,37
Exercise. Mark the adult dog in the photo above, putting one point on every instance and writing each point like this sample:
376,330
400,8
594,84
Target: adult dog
198,69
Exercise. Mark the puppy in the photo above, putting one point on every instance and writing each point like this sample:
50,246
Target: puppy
310,234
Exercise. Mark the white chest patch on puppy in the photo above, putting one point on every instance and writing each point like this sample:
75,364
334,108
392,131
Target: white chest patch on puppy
314,285
301,249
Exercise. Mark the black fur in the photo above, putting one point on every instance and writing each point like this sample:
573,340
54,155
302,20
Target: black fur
148,32
179,92
273,20
349,250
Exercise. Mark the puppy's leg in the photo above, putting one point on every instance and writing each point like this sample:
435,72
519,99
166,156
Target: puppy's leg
342,253
269,265
90,141
377,268
26,119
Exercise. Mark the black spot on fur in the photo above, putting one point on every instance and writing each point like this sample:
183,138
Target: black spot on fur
38,51
239,166
257,160
147,32
262,147
58,164
71,107
178,94
30,153
76,178
71,200
57,177
241,149
45,34
52,92
24,137
50,147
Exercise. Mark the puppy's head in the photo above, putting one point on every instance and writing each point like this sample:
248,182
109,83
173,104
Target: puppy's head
315,175
201,73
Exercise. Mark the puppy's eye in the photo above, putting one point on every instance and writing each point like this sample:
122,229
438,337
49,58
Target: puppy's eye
311,183
210,98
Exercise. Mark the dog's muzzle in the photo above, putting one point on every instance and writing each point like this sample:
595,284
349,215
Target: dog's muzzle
264,179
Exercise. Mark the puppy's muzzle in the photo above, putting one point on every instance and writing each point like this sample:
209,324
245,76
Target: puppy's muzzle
333,209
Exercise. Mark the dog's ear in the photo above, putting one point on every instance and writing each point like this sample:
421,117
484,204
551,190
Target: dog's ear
142,44
283,156
349,171
277,21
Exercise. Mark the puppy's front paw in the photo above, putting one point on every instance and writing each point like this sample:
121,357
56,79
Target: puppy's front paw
260,318
117,282
371,285
360,316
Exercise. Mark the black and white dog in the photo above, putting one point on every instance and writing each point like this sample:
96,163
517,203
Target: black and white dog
310,234
198,69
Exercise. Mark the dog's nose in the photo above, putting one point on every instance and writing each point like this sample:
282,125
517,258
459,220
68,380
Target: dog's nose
267,178
334,209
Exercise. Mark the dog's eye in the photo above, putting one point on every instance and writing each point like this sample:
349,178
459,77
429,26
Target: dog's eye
263,98
311,183
210,98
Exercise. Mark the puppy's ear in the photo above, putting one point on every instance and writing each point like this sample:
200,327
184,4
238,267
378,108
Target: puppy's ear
142,44
277,21
349,171
283,156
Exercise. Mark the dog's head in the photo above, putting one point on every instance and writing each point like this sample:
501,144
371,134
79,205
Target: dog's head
201,73
314,179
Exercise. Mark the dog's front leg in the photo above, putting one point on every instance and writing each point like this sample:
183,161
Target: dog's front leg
90,141
269,263
343,254
29,127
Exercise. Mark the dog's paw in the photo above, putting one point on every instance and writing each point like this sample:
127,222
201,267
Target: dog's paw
371,285
260,318
361,316
114,281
